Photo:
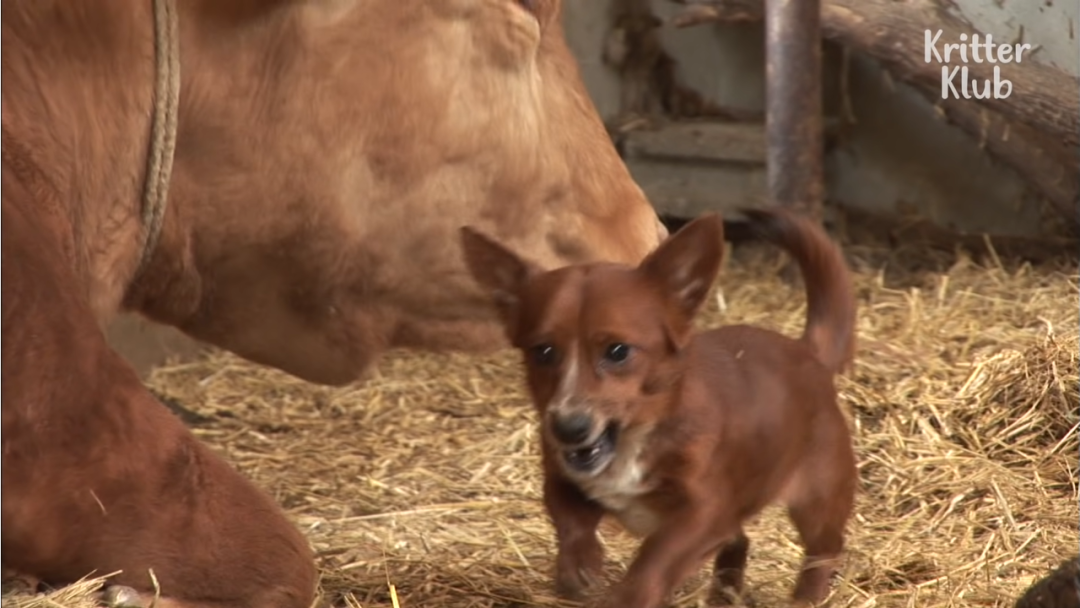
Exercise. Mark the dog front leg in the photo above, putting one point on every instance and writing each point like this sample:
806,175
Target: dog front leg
580,557
669,556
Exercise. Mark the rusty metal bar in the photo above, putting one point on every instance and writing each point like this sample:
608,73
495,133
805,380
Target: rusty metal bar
793,123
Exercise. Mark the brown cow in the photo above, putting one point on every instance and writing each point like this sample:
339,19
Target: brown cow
326,153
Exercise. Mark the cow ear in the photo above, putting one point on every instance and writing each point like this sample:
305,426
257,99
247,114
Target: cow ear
497,269
686,264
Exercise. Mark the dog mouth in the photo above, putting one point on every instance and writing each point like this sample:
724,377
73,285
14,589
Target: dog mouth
595,455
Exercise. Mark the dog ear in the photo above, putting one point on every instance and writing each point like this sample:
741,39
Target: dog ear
686,264
497,269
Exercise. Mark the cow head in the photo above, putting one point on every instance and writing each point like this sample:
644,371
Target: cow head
330,150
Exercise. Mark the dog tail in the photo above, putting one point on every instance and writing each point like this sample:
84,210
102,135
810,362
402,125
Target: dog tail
830,309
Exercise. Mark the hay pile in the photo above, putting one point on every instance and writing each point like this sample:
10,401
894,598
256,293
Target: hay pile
964,401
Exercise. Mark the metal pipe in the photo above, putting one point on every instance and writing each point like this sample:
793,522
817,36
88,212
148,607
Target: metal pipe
793,123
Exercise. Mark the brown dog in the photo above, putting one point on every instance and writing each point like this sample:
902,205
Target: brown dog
681,437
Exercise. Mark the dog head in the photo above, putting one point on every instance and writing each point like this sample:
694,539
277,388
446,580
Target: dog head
602,343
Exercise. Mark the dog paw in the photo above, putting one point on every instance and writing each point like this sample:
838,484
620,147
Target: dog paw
574,585
726,597
119,596
577,571
633,592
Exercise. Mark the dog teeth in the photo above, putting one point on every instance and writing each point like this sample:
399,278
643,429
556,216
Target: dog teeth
585,456
589,452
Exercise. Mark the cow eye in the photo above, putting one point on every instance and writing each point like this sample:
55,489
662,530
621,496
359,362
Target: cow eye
543,354
617,353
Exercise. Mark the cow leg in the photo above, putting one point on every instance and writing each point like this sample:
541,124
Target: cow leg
121,596
98,476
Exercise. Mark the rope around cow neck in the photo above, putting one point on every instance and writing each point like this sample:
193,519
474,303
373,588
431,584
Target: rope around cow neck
163,126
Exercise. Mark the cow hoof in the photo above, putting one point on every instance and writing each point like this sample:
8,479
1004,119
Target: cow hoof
14,582
119,596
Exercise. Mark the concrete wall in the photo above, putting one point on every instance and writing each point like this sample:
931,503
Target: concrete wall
900,156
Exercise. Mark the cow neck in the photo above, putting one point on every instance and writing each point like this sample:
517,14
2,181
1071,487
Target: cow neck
162,129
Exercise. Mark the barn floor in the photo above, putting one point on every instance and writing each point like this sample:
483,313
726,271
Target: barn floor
964,401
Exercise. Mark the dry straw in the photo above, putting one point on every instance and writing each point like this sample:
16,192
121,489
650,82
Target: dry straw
963,402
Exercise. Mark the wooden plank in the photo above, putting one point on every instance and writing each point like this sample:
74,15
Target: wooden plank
699,142
688,189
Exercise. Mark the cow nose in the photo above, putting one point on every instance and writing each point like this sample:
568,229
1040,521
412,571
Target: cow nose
572,428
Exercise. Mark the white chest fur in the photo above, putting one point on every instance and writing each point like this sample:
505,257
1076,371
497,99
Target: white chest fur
620,488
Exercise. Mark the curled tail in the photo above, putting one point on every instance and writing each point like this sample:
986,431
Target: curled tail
830,310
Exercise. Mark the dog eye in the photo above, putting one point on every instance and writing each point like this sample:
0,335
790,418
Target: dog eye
543,354
617,353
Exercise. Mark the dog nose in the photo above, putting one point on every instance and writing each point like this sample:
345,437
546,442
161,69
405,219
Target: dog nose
572,428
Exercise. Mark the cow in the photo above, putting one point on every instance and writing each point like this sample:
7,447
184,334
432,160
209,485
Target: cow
316,161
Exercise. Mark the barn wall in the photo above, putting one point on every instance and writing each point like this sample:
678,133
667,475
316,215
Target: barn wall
899,157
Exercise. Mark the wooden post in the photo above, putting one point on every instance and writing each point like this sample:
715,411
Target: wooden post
793,122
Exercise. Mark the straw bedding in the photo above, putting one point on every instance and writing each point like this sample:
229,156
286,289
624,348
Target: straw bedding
963,402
